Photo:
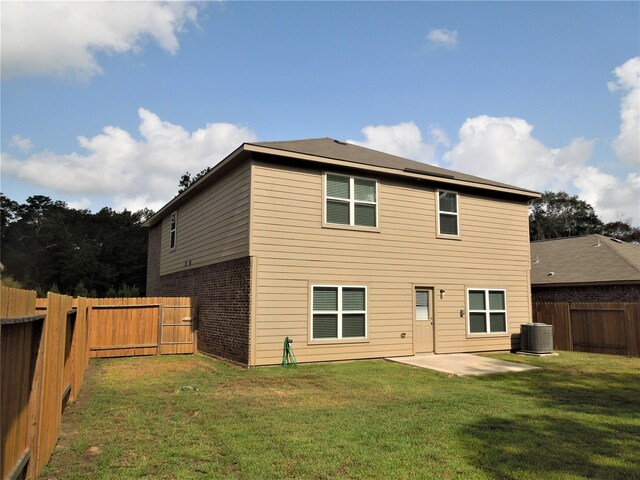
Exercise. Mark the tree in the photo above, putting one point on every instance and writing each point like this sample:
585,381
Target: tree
186,180
35,232
622,230
81,290
8,210
44,242
559,215
9,281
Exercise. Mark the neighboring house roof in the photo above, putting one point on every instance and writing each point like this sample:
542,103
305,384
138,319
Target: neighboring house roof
334,152
592,259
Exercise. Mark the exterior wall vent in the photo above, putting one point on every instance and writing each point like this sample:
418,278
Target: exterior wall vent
536,338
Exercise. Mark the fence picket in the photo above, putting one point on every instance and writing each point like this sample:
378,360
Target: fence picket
604,327
44,358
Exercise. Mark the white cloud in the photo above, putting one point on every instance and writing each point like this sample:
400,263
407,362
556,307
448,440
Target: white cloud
442,38
135,173
504,149
627,144
81,204
61,38
21,143
403,139
439,136
611,197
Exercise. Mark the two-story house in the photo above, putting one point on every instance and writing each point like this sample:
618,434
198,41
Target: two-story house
351,252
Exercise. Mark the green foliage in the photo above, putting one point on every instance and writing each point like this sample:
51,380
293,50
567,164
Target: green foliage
8,210
127,291
622,230
46,242
187,180
559,215
577,418
9,281
81,290
111,292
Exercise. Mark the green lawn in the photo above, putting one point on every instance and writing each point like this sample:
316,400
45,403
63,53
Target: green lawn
578,418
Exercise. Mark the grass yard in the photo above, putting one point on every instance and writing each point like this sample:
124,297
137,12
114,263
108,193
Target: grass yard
579,418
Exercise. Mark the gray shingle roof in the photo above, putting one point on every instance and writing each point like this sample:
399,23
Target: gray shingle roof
318,149
337,150
588,259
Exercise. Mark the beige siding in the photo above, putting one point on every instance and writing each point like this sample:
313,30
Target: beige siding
294,251
212,227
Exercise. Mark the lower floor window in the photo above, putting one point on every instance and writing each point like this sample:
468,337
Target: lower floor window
487,311
338,312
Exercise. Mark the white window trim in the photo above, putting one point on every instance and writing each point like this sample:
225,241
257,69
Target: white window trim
173,232
339,312
351,201
456,214
487,312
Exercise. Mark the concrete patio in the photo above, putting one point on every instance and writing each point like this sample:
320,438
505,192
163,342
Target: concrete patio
462,364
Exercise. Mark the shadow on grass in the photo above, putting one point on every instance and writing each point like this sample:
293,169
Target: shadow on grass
551,447
607,394
588,426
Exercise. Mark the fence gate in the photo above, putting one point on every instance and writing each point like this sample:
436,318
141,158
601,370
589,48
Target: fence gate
599,331
129,327
177,329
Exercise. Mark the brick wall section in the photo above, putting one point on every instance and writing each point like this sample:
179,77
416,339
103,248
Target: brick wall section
224,294
603,293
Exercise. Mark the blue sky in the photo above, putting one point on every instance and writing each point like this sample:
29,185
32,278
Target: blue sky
108,104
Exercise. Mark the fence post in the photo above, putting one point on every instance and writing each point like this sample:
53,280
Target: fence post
160,320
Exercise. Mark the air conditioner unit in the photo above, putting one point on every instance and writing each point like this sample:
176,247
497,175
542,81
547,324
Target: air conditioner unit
536,338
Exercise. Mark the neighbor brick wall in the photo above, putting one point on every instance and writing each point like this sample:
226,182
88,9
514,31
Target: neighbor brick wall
604,293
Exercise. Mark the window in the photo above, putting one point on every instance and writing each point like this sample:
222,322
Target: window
338,312
351,200
422,305
447,213
487,311
172,230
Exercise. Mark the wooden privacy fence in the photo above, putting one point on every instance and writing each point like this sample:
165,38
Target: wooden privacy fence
42,365
126,327
123,327
45,348
592,327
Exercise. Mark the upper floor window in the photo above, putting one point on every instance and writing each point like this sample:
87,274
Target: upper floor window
487,311
351,200
173,227
448,223
338,312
